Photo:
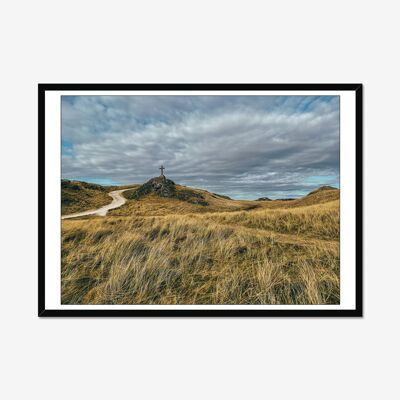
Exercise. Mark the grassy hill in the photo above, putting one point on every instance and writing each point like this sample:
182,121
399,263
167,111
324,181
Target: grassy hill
170,250
322,195
184,201
77,196
81,196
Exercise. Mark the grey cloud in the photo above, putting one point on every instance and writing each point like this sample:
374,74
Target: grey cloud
242,146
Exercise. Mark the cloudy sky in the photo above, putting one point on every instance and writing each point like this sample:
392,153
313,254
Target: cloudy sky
241,146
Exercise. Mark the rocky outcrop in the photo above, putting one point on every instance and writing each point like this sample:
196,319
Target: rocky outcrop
163,187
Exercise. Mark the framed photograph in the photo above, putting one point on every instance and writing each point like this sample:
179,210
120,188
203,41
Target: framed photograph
205,200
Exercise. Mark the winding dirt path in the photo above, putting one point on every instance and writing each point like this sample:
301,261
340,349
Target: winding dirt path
118,201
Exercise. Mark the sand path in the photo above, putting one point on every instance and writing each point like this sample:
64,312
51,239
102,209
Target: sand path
118,201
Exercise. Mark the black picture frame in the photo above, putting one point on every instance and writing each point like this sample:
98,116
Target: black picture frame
357,312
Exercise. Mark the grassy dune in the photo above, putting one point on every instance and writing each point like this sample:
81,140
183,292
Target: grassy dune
163,251
81,196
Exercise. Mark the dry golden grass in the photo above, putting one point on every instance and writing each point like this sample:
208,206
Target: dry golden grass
161,251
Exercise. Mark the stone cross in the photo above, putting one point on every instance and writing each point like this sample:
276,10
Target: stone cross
162,170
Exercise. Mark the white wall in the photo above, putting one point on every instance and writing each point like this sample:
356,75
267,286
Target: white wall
210,41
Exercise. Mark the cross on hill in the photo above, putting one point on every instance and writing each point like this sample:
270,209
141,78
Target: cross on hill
162,170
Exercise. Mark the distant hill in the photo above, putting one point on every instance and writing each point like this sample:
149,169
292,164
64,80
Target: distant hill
321,195
322,189
161,196
80,196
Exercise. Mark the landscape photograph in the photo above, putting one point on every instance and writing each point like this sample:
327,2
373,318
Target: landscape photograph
200,200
